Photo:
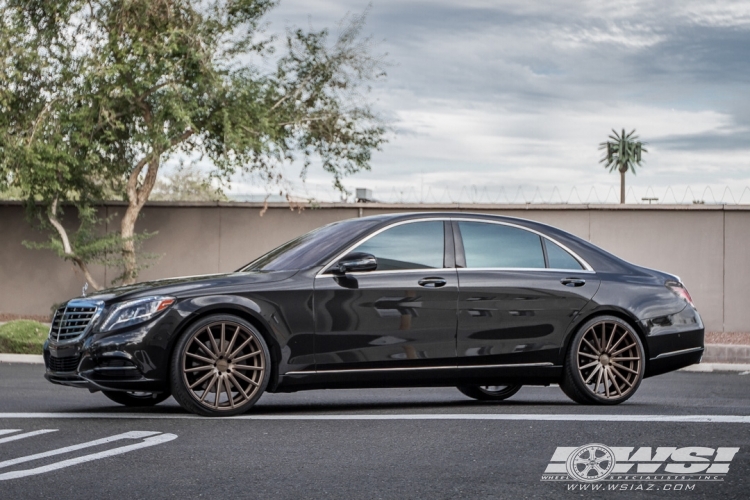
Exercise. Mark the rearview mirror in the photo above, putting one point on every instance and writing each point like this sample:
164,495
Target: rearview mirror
357,261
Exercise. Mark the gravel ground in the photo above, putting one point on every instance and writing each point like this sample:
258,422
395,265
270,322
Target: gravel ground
732,338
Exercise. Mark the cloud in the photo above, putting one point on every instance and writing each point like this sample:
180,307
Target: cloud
519,93
711,141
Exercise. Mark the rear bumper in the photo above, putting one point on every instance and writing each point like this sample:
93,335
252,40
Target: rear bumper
671,361
674,342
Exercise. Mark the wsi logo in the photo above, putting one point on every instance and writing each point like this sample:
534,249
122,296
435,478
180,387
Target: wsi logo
598,462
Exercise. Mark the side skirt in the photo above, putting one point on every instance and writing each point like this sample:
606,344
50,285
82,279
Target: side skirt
449,376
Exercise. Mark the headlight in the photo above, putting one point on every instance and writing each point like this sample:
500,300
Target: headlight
135,311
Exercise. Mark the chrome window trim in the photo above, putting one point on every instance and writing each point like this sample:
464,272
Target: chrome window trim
400,369
527,269
587,267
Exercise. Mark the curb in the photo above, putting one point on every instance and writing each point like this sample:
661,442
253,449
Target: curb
723,353
742,368
29,359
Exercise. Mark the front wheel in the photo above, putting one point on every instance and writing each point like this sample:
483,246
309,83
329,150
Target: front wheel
489,392
220,366
605,362
136,399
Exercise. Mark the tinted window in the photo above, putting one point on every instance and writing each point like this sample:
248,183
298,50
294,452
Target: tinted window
311,248
496,245
559,258
418,245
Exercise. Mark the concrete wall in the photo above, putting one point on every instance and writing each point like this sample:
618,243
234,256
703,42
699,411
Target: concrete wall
707,246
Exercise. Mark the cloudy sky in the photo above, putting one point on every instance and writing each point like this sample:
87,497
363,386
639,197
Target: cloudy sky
508,100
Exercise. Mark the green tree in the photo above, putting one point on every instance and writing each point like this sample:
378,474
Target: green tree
622,153
96,95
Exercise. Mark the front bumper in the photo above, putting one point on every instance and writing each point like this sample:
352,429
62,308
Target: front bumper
133,359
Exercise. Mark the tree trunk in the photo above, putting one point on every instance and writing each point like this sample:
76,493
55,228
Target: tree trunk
67,247
127,231
137,197
622,186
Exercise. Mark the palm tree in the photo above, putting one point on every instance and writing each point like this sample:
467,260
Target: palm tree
623,153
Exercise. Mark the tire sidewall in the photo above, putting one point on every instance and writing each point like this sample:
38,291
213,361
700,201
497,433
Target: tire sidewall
184,395
129,400
574,375
475,392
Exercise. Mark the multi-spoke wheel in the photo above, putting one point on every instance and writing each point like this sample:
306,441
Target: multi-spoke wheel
136,398
220,366
489,392
605,363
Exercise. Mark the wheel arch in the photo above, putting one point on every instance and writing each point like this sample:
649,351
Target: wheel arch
609,311
246,314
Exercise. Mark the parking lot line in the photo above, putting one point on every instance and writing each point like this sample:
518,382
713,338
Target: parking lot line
76,447
8,431
26,435
719,419
149,441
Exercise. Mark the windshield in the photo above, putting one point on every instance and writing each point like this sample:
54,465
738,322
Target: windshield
311,248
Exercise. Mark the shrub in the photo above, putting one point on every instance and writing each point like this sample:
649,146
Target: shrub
23,336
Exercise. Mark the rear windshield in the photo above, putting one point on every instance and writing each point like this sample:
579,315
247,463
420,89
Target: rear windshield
312,248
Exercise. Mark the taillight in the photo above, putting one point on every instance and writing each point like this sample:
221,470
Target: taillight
680,290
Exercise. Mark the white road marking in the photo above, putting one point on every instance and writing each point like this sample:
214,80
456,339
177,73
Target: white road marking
76,447
718,419
26,435
8,431
150,441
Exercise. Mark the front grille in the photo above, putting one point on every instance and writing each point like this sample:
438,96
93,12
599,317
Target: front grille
72,320
68,364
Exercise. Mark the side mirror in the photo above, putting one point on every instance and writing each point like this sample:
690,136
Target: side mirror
357,261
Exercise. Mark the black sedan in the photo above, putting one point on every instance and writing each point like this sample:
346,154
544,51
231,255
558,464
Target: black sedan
480,302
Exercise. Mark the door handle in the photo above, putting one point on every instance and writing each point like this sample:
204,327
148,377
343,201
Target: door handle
573,282
432,282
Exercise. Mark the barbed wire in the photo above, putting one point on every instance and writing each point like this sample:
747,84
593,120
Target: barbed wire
473,194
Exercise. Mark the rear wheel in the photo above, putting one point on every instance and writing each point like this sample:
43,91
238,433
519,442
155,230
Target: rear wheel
605,362
135,399
489,392
220,366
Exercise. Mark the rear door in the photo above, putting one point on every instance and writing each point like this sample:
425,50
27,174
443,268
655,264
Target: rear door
519,292
401,315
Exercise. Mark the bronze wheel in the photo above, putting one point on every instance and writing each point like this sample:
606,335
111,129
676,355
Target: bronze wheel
605,363
222,367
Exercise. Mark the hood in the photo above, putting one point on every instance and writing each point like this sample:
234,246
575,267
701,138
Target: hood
189,285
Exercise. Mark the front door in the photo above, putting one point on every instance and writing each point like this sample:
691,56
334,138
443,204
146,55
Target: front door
401,315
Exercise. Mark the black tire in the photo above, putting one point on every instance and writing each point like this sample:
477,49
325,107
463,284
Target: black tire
136,399
202,369
612,355
489,393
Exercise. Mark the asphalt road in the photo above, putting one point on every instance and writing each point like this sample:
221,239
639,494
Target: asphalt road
369,444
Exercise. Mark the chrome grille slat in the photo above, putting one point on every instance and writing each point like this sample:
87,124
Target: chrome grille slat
74,319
